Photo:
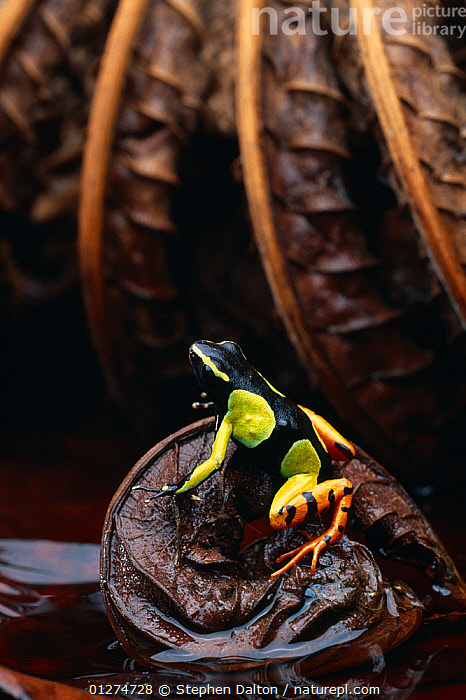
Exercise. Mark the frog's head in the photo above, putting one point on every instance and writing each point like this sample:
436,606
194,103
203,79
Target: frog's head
217,367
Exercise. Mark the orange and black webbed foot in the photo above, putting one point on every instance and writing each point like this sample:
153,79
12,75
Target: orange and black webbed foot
313,546
337,493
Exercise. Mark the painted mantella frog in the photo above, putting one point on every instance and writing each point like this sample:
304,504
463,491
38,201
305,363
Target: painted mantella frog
293,441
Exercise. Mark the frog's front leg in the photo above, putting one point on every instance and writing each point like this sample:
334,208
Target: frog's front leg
300,499
202,471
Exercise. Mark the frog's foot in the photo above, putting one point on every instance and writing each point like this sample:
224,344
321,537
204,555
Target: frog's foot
292,505
315,545
167,490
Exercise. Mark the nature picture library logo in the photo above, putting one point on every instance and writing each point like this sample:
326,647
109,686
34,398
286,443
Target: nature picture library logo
424,19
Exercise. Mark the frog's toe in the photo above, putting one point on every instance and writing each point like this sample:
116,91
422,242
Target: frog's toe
167,490
314,545
293,552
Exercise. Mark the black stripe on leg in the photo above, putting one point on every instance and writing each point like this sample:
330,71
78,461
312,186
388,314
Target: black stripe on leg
327,538
331,497
311,504
291,510
344,450
348,490
341,528
345,509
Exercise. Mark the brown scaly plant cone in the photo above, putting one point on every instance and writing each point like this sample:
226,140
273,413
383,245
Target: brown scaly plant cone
49,52
160,63
381,372
169,71
408,85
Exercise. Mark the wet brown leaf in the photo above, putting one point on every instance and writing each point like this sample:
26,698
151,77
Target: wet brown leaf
394,525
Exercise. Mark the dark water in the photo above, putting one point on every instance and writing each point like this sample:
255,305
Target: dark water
53,624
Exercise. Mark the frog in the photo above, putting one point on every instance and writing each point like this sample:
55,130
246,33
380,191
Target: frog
290,440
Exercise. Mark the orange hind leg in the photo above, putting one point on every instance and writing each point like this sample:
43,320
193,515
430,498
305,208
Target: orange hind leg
299,506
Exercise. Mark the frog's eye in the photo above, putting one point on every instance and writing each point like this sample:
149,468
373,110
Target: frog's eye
230,345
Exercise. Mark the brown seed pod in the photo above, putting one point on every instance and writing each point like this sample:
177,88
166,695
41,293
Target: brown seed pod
147,284
48,54
421,113
126,223
389,385
178,586
333,270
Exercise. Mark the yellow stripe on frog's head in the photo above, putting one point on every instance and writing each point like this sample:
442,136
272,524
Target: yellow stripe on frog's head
207,361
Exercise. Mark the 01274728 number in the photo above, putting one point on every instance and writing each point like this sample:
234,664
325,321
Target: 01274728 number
130,689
